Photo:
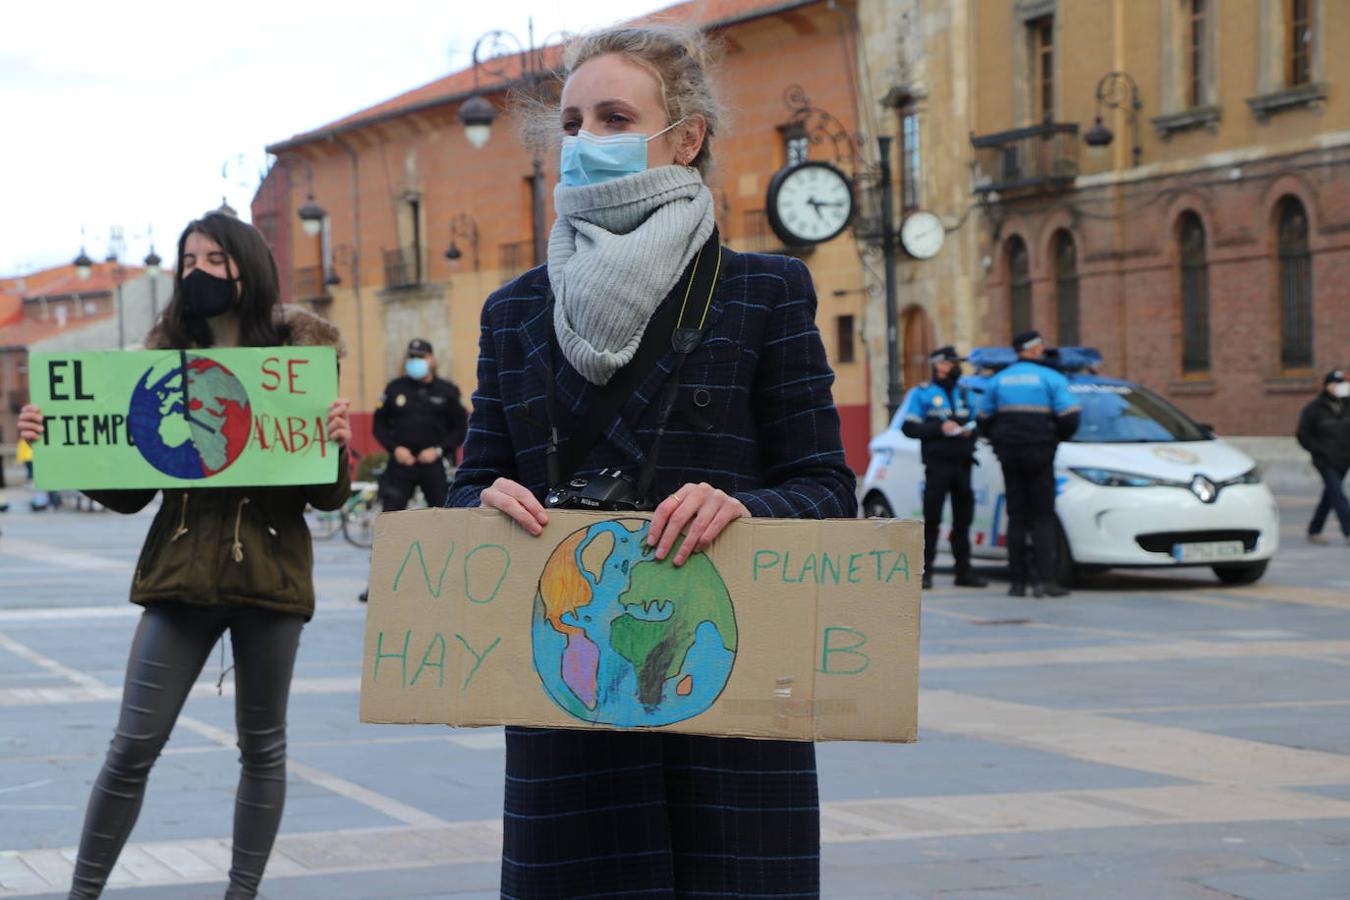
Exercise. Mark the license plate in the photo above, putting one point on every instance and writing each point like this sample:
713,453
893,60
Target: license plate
1207,551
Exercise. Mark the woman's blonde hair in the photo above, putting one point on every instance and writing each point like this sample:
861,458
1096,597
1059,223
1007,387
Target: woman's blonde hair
679,56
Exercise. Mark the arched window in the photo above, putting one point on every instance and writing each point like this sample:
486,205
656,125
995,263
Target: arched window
1194,296
1019,285
1066,289
1296,350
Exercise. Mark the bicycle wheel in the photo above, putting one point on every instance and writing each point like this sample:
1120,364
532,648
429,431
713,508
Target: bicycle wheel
358,525
323,524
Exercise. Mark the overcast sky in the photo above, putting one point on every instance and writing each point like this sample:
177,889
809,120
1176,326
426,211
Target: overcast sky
124,114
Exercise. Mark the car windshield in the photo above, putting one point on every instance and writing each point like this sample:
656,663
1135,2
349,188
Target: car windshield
1127,414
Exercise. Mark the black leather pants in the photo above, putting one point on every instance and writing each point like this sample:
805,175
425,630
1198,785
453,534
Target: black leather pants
171,644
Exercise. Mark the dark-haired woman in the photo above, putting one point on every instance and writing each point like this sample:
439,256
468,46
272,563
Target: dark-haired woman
215,560
753,430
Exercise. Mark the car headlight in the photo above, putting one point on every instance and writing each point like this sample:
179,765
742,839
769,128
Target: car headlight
1113,478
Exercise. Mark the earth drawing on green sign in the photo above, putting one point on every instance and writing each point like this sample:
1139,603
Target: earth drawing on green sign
189,418
622,639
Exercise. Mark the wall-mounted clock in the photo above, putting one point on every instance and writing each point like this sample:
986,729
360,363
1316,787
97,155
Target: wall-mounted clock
922,235
809,203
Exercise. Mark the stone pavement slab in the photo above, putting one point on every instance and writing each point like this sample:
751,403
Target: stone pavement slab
1156,735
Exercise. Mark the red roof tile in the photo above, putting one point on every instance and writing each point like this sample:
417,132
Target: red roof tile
101,280
461,84
29,331
11,308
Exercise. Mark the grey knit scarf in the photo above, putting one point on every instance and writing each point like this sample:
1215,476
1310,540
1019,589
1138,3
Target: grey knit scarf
616,251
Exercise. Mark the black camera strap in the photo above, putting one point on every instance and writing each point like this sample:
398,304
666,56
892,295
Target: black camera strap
679,323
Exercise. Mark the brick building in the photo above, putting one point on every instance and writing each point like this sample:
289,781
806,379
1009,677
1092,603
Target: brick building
53,310
401,184
1206,249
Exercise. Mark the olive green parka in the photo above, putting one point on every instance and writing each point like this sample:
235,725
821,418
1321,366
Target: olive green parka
234,546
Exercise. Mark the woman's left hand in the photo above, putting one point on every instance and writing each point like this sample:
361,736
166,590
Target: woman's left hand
700,512
339,425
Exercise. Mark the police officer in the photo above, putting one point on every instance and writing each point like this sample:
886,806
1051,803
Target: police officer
941,416
419,420
1026,410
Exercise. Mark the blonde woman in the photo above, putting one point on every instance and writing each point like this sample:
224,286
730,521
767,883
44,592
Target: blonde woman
751,430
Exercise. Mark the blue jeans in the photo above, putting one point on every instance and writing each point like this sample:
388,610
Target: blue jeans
1333,497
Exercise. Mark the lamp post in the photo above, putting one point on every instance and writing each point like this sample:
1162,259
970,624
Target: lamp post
152,268
493,53
1116,90
875,230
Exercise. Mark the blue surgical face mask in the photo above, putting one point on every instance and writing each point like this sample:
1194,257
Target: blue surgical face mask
591,159
417,368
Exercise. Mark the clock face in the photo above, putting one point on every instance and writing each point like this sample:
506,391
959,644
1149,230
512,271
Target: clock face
922,235
809,203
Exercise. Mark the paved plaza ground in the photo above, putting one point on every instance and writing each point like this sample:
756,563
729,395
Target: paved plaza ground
1155,735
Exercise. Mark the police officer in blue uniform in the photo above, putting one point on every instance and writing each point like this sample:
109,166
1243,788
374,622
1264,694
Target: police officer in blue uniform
1026,410
941,416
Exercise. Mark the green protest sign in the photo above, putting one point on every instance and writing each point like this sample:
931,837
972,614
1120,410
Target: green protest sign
195,418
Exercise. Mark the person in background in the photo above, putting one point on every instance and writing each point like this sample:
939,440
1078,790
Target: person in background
1324,431
941,415
1026,410
216,559
753,431
421,421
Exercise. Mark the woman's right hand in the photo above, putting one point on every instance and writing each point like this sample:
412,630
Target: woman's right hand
30,423
516,501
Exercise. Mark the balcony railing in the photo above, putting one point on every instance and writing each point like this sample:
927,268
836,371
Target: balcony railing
1041,157
307,284
402,268
515,258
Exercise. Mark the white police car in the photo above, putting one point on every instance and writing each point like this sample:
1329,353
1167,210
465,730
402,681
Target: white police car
1140,484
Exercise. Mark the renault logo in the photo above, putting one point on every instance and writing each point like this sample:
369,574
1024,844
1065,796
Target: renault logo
1203,488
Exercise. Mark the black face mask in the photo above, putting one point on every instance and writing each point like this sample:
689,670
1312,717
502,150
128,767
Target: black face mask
205,296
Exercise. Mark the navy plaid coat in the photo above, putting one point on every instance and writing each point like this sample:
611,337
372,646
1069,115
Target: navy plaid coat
603,813
754,415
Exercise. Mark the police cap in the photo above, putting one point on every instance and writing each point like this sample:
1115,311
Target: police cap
944,354
1334,376
1026,339
419,347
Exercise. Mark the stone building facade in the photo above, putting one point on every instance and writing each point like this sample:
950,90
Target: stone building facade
1205,249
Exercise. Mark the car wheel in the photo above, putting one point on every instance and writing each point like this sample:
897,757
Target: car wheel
1242,573
876,507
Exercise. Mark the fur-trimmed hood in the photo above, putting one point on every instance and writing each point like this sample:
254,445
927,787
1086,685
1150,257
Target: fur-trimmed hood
307,330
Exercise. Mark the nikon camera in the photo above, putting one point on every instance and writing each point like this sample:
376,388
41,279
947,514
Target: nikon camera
609,491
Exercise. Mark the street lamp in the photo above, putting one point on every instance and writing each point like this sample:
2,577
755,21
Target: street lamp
493,53
152,268
1116,90
463,228
477,116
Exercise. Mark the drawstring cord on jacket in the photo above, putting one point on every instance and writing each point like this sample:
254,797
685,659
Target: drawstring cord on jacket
220,682
238,550
182,528
236,553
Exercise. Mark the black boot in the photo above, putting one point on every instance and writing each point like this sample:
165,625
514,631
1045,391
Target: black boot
967,578
364,596
1017,589
927,583
1051,589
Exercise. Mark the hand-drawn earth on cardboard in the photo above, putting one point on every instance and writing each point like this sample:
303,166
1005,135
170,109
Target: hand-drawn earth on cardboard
190,418
622,639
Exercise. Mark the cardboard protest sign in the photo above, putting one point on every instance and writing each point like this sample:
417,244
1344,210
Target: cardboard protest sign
197,418
790,629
